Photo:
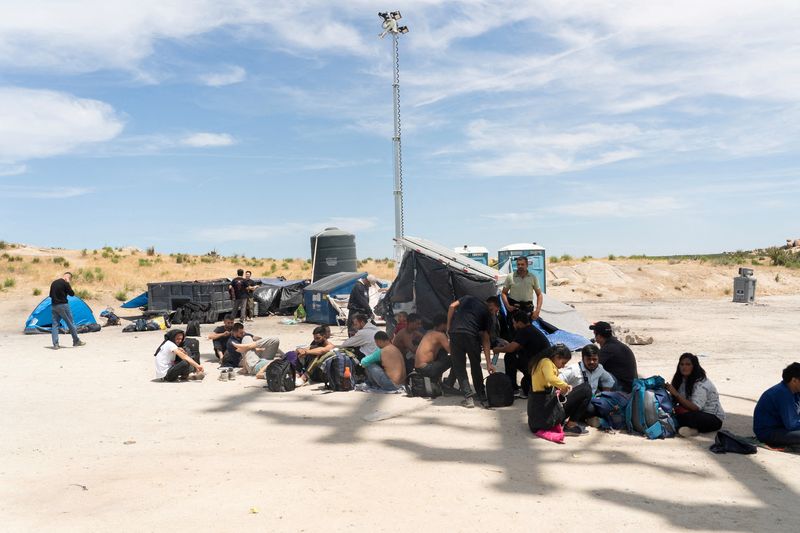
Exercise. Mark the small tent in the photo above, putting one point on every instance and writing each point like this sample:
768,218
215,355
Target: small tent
278,295
41,319
315,296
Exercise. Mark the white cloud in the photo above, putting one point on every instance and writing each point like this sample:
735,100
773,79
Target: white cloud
266,232
42,193
37,123
618,207
12,169
229,76
205,139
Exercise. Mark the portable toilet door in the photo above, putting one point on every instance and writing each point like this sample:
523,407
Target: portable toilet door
536,260
476,253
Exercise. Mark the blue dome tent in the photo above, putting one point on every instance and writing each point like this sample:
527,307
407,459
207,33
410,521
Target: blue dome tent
42,317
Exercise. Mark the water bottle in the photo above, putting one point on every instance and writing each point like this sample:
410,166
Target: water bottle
346,380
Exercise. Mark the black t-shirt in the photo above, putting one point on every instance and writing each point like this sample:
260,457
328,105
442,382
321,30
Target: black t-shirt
359,298
532,342
471,316
239,285
619,360
59,290
222,342
232,357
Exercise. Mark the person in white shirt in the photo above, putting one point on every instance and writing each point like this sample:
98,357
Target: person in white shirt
172,361
589,370
697,406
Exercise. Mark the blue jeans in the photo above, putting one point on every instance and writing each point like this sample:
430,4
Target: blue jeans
376,377
62,311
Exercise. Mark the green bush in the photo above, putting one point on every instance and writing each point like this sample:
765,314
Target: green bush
145,263
59,260
611,257
35,260
3,245
9,282
273,268
37,292
83,294
566,257
554,259
122,296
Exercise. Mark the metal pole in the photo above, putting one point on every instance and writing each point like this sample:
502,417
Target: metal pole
399,230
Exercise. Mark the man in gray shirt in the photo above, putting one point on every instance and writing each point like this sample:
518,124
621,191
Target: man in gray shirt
363,341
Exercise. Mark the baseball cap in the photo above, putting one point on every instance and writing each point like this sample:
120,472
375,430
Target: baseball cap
603,328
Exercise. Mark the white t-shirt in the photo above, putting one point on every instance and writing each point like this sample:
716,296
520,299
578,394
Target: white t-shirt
164,358
705,396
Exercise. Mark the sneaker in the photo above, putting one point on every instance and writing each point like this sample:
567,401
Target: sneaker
79,343
521,393
56,347
197,376
575,430
232,374
223,376
300,382
468,402
686,431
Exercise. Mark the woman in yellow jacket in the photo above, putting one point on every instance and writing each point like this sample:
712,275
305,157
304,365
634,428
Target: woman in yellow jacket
545,375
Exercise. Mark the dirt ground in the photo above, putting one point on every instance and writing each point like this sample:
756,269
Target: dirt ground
91,444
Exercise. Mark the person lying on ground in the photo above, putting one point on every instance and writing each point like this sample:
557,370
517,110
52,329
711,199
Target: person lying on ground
172,361
363,341
528,342
237,345
386,366
220,336
776,418
306,357
468,324
697,406
615,356
545,375
432,358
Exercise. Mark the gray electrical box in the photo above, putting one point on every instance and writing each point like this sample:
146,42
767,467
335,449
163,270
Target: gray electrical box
744,286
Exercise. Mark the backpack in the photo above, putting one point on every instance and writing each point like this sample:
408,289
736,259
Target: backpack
423,387
280,376
610,407
192,347
340,372
499,391
193,328
649,411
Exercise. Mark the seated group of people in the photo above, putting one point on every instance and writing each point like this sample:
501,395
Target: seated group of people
462,334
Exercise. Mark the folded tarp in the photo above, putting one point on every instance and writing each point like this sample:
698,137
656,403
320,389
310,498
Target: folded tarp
139,301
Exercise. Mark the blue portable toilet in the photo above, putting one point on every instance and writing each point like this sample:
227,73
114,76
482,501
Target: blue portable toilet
41,318
476,253
315,296
536,260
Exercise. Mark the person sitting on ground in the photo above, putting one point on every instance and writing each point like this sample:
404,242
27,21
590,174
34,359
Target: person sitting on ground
432,358
546,375
528,343
615,356
697,406
589,370
363,341
307,357
776,419
239,343
172,361
408,339
386,366
220,336
402,321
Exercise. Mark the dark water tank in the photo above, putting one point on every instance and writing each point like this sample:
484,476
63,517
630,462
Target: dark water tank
333,251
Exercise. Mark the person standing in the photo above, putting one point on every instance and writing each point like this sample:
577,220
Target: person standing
518,290
59,290
251,301
468,323
238,292
358,303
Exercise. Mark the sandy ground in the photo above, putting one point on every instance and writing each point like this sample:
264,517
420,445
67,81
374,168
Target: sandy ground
91,444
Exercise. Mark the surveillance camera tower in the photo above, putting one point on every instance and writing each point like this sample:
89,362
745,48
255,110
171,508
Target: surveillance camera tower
390,27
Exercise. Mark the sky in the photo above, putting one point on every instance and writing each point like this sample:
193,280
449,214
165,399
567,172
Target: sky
246,126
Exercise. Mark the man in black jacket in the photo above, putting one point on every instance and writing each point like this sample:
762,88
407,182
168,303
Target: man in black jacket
59,290
615,356
358,303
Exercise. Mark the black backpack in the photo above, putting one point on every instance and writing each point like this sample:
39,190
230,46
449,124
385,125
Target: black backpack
192,347
423,387
193,328
337,369
280,376
499,391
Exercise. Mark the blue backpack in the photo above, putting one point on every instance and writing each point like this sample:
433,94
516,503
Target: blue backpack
610,406
340,372
650,410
